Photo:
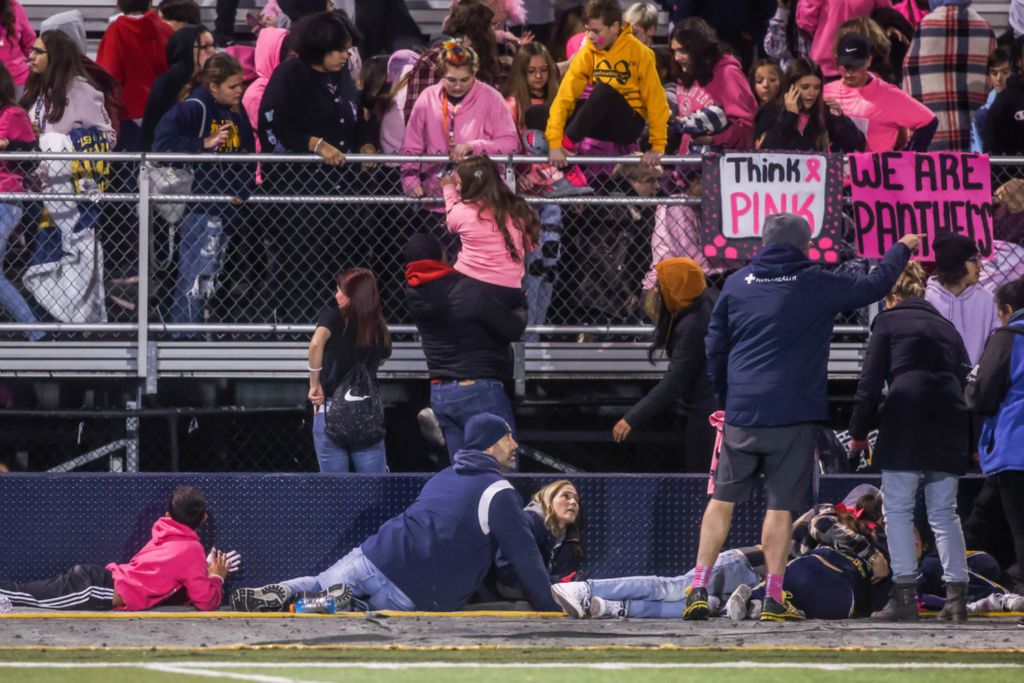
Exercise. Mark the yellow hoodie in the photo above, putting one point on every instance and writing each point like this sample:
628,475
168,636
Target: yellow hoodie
629,67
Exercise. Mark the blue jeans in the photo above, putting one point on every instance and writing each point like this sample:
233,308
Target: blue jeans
335,458
362,577
664,597
201,253
899,493
454,402
10,298
541,266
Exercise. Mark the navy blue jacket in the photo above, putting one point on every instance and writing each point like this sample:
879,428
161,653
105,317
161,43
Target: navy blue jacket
768,341
439,550
559,553
183,129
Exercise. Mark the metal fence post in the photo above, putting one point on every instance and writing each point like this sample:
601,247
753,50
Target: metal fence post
142,333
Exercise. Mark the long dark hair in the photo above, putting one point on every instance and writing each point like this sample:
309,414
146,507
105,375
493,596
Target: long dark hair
801,68
482,184
663,328
518,87
473,21
359,285
7,92
704,51
7,19
64,65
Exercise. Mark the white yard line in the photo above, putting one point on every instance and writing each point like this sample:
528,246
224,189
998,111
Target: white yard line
217,668
190,671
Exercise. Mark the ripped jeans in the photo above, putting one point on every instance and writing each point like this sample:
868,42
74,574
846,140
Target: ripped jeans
201,254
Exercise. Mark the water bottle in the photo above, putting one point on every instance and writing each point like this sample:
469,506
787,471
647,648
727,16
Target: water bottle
321,604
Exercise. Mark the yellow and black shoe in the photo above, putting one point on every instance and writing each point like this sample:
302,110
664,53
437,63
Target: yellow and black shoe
696,604
773,611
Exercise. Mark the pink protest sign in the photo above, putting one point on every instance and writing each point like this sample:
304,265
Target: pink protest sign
902,193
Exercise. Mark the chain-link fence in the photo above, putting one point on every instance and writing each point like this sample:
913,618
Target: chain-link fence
258,239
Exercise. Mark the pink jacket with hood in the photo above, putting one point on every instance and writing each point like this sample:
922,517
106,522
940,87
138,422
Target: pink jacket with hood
268,56
480,120
14,49
821,20
173,559
729,89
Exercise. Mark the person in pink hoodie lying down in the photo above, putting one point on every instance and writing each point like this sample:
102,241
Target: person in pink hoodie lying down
173,560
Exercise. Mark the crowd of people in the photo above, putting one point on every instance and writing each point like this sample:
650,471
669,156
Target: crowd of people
477,263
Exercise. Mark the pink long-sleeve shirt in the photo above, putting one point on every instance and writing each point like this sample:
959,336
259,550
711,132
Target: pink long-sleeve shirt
480,120
484,255
822,18
173,559
14,48
880,110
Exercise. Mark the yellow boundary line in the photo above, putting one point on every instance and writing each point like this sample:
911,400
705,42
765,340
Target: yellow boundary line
663,647
499,614
275,615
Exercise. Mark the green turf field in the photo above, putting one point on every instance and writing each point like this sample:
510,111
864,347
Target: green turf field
501,665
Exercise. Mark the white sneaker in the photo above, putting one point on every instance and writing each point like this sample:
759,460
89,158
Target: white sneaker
5,605
606,609
989,603
736,605
1013,602
573,597
755,609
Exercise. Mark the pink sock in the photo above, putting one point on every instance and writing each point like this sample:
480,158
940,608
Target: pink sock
773,587
700,577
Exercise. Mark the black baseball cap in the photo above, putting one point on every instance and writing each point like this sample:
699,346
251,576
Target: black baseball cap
853,51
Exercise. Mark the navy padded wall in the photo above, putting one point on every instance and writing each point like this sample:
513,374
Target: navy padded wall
292,525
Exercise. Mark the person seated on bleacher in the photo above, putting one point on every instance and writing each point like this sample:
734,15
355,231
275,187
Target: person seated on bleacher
132,50
435,554
172,561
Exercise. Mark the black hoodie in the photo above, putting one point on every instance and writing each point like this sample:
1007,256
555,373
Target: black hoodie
1004,126
167,87
466,329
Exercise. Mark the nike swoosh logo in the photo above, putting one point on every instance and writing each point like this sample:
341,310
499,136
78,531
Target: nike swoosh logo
350,397
849,50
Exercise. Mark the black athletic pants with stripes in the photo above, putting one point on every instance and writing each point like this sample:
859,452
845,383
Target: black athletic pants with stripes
84,586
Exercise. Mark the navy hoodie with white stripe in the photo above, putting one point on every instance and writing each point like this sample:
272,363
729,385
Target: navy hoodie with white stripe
439,550
768,341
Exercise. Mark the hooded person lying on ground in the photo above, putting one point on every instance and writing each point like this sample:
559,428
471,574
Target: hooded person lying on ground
172,561
434,555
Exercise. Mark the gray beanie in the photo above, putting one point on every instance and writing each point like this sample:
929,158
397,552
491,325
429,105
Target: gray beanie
72,23
786,228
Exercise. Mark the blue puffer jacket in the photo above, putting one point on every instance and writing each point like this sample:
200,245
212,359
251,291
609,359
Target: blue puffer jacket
996,390
768,341
439,550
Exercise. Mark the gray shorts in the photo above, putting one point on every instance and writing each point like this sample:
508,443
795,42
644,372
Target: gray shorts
785,455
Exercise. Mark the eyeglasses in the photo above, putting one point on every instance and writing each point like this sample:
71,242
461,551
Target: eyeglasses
206,46
37,51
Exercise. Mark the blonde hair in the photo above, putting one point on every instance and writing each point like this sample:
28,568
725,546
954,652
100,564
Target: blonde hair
545,497
632,172
642,14
870,29
911,282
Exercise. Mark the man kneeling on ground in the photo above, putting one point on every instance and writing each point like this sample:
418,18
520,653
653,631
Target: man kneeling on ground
435,555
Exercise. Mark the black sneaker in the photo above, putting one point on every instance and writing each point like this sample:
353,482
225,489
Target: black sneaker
273,597
341,593
773,611
696,604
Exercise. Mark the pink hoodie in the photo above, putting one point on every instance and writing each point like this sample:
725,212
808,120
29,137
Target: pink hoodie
14,126
484,255
729,89
173,559
14,49
268,56
822,18
480,120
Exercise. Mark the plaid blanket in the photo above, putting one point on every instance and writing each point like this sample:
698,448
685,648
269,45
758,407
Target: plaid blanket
945,69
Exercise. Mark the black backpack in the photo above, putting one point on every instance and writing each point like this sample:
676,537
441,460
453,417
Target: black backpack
355,417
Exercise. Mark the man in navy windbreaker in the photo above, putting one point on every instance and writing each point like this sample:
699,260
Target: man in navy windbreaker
767,348
434,556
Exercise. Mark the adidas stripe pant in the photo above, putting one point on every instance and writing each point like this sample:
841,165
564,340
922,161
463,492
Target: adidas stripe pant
84,586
